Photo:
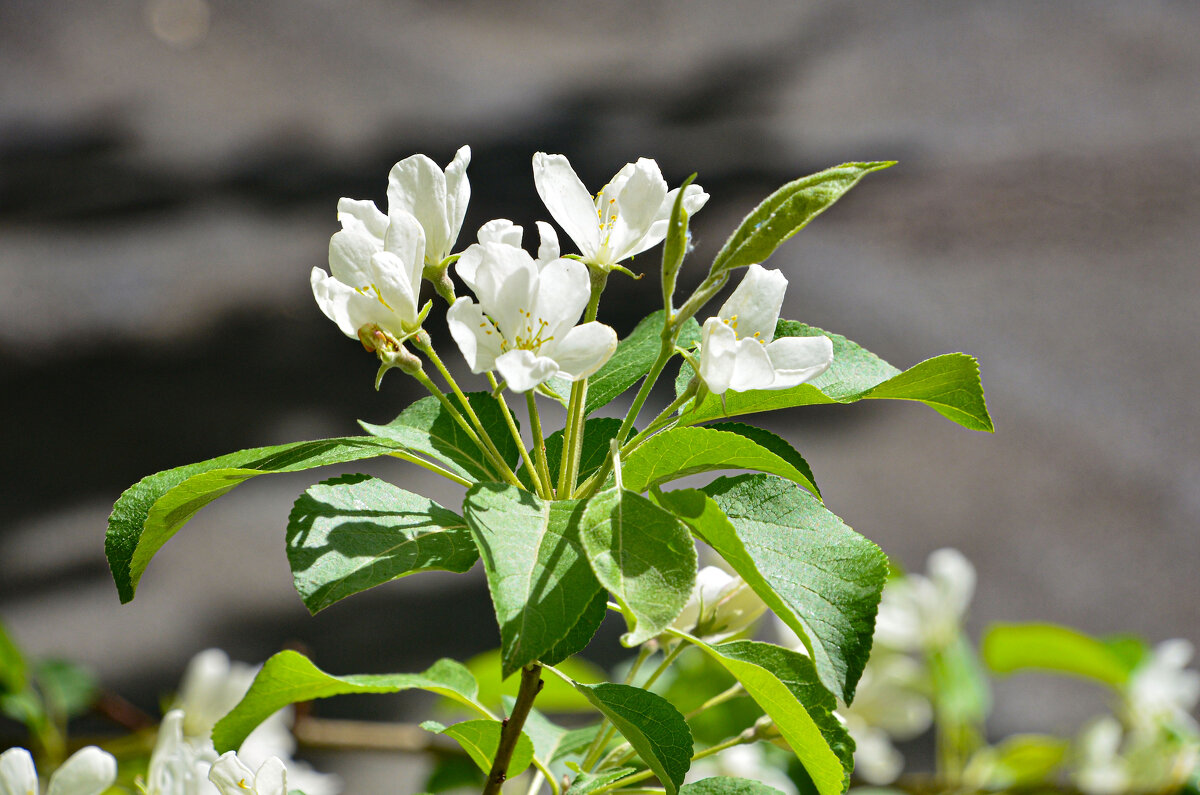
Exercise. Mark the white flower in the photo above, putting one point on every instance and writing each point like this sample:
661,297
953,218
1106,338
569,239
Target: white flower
721,605
889,703
926,612
629,214
437,199
88,771
1162,689
376,266
505,231
738,349
178,766
524,323
233,777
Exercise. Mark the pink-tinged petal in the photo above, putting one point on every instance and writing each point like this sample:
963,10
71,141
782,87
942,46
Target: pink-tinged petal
522,370
417,186
563,292
18,776
271,778
230,776
798,359
583,350
500,230
478,340
548,248
350,256
361,215
458,193
88,771
406,239
755,304
693,199
637,207
718,355
567,200
752,368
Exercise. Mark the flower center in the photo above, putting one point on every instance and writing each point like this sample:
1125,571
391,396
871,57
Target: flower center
530,339
371,291
732,322
606,217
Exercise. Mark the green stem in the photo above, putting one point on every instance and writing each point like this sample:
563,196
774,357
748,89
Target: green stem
432,467
623,752
541,490
531,684
539,442
573,436
421,343
664,355
604,732
748,736
720,698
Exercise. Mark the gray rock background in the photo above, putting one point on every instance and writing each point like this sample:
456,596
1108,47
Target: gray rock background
169,171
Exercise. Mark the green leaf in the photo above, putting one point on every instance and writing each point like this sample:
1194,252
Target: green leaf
590,782
949,384
13,670
1022,760
644,556
153,509
819,576
723,785
676,243
537,573
427,427
545,735
581,634
67,688
481,739
596,434
680,452
555,695
785,212
631,361
653,727
785,684
289,677
1008,648
576,741
355,532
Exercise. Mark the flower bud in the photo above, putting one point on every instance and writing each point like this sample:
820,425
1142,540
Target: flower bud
721,605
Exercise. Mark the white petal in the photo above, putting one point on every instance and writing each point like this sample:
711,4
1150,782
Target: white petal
523,370
637,207
88,771
756,303
954,577
548,248
563,292
515,298
752,367
476,338
416,185
467,265
458,193
406,239
567,200
395,285
583,350
693,199
718,355
18,776
350,256
798,359
361,215
348,308
500,230
492,281
230,775
271,778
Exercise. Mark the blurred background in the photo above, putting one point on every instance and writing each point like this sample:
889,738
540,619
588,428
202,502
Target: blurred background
169,172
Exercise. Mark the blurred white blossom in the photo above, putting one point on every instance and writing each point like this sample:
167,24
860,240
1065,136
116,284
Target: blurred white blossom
721,605
88,771
926,612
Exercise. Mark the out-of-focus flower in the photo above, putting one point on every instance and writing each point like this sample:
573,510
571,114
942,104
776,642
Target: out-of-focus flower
436,198
524,324
744,761
721,605
177,766
924,612
890,704
232,777
629,214
88,771
738,349
212,686
1163,690
1110,760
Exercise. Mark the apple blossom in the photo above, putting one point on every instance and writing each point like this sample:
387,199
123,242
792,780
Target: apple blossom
737,347
233,777
721,605
919,612
524,324
629,214
88,771
436,198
